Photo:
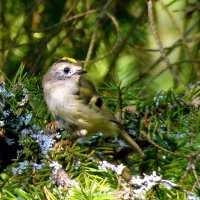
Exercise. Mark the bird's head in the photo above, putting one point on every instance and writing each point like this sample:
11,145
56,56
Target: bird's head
63,70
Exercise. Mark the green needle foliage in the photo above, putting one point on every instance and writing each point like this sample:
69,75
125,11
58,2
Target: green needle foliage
55,165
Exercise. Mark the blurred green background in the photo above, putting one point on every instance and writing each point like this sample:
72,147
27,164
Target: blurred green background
117,39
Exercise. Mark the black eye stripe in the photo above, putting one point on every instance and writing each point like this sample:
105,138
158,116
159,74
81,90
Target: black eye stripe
66,70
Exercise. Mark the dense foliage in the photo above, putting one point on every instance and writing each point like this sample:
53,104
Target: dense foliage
39,164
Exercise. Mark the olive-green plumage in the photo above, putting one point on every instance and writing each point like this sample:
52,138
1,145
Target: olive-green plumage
74,101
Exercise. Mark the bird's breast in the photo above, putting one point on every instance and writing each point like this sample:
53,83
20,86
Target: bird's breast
58,98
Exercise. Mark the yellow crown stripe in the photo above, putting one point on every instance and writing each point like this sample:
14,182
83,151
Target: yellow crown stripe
69,59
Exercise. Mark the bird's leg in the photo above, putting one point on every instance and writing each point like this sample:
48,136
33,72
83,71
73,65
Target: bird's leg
63,143
72,138
82,132
52,127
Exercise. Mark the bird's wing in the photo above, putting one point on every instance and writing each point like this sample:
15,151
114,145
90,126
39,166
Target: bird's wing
86,90
89,95
97,104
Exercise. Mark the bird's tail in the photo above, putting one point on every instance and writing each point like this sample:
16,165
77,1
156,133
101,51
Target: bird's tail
131,142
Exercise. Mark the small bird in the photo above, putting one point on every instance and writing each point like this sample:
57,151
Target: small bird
74,102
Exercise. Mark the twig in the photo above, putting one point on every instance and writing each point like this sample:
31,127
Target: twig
92,42
191,167
162,71
175,44
183,41
20,30
195,175
161,148
71,8
123,43
157,39
115,23
64,22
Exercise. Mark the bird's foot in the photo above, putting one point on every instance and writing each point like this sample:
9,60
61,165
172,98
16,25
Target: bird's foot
52,127
62,145
81,133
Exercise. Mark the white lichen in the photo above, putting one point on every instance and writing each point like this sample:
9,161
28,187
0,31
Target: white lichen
105,166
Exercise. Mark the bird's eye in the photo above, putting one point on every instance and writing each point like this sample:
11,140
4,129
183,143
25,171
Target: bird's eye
66,70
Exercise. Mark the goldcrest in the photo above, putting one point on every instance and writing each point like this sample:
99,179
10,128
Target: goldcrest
74,102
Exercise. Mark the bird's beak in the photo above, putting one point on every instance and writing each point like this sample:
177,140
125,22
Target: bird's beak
81,71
